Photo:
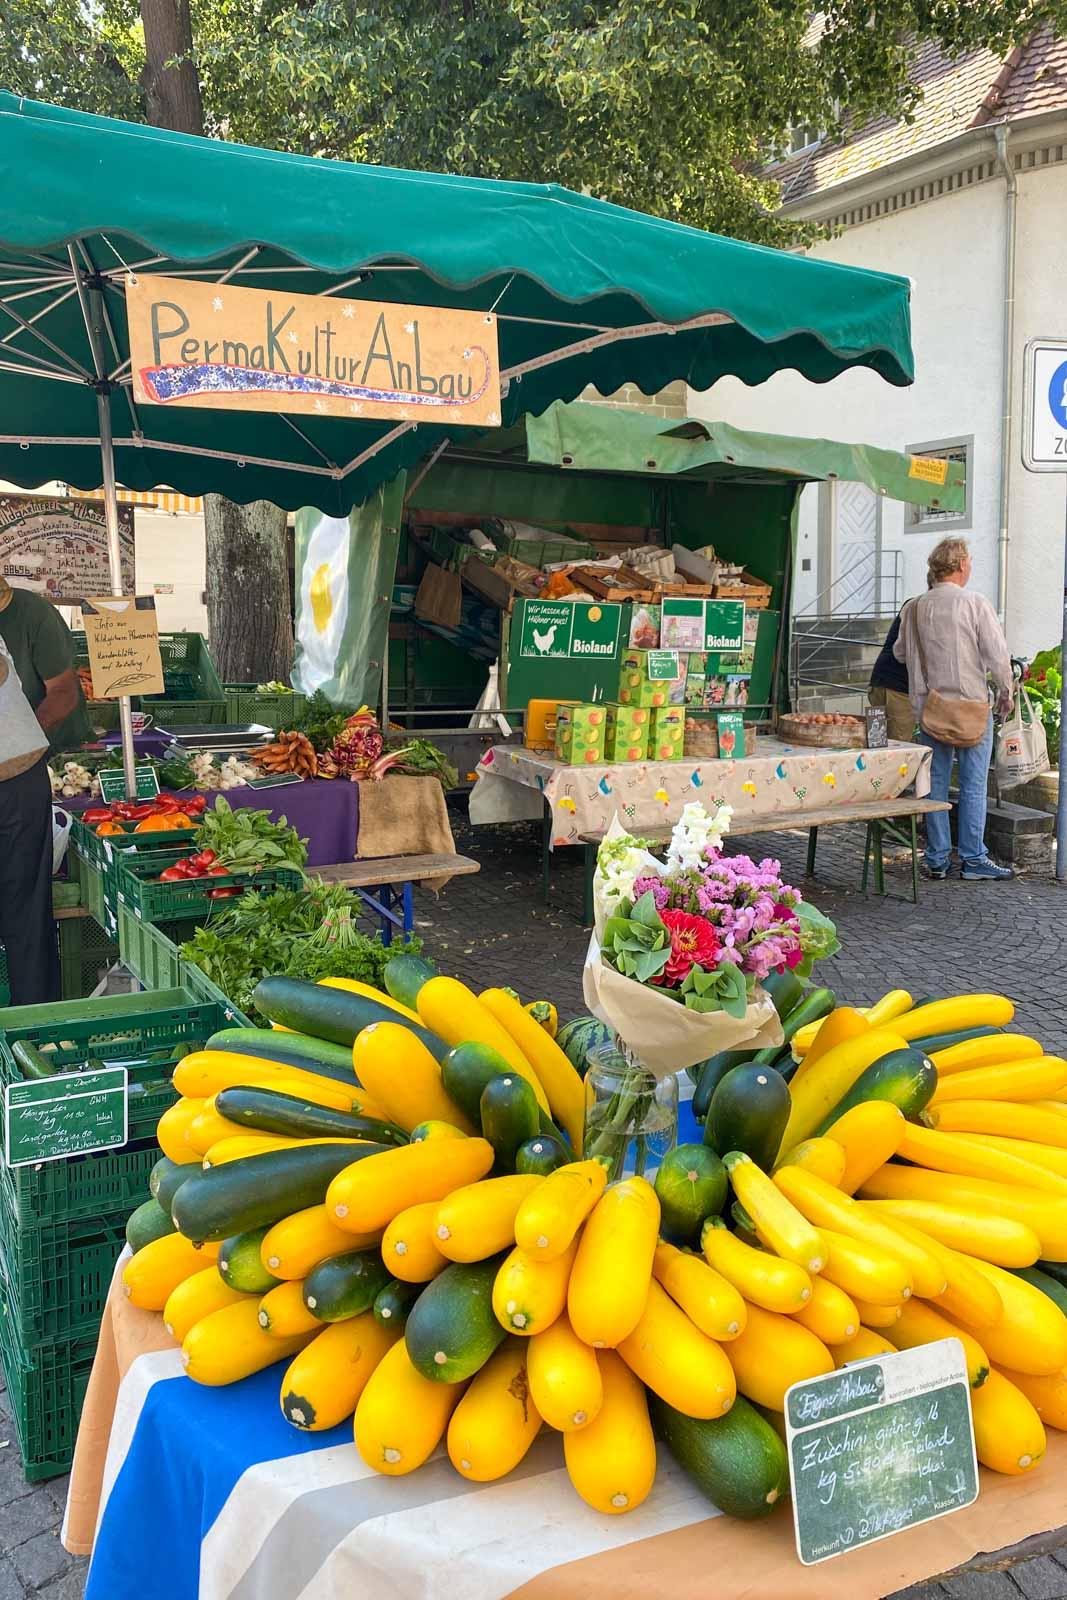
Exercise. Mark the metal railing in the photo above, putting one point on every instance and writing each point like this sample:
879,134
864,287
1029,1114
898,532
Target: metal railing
871,586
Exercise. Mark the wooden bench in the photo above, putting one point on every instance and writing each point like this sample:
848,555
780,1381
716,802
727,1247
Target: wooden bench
893,819
393,876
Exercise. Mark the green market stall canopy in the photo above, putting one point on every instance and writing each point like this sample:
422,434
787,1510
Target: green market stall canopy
583,293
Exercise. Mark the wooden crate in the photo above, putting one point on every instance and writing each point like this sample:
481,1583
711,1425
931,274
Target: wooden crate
753,591
702,740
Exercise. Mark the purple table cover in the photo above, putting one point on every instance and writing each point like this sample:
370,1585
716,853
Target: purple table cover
144,744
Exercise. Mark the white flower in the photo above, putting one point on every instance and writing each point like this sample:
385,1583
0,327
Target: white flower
694,833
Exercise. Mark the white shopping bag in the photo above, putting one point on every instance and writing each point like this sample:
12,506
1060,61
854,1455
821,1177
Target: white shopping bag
1022,749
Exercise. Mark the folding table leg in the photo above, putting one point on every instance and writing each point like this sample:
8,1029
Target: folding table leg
546,850
587,884
879,858
914,859
866,859
813,841
409,910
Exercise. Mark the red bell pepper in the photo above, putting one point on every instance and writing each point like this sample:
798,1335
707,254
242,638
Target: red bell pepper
96,814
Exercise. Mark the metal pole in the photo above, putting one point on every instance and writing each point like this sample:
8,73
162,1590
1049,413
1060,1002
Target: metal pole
1061,799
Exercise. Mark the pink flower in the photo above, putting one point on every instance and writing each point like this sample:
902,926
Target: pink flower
694,943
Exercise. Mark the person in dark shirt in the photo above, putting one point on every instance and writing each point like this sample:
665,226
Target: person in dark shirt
889,688
42,649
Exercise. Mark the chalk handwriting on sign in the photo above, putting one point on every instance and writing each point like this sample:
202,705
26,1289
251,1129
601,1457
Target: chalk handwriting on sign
878,1447
123,639
217,346
58,548
71,1114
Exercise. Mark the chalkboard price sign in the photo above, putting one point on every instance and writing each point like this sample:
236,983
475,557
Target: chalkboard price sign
878,1447
71,1114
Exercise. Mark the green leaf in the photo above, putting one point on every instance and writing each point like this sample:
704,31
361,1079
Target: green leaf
645,912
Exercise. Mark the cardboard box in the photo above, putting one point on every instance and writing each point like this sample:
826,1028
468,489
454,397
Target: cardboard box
626,738
667,734
638,686
580,730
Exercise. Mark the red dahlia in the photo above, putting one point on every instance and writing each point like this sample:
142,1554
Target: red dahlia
694,943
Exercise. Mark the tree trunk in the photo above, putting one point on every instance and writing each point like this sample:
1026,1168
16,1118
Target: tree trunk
248,599
248,609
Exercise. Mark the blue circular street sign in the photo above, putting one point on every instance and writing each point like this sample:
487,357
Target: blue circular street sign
1057,395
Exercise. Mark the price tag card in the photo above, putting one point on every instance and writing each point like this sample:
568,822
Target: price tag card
275,780
663,665
71,1114
113,783
878,1447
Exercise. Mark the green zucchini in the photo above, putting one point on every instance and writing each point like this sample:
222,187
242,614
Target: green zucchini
691,1185
1038,1278
240,1265
944,1041
216,1203
738,1460
541,1155
749,1111
167,1177
466,1070
345,1285
907,1078
291,1049
509,1116
786,990
815,1004
148,1222
451,1331
404,975
392,1305
711,1072
30,1061
1054,1269
334,1014
274,1112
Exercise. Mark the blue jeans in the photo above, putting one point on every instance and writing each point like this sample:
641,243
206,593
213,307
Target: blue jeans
974,774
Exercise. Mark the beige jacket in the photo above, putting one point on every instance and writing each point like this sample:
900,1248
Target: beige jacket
963,645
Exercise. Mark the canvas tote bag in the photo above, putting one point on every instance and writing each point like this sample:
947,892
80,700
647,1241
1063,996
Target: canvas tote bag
22,740
1022,749
947,719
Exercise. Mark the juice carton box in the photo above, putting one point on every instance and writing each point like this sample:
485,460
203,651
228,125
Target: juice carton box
667,736
580,730
627,733
652,678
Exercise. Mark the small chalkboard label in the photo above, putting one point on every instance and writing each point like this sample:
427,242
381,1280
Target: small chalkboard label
113,783
71,1114
663,666
878,1447
877,728
275,780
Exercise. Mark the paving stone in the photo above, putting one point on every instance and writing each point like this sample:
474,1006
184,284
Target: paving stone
70,1587
40,1560
35,1513
11,1587
981,1586
1041,1579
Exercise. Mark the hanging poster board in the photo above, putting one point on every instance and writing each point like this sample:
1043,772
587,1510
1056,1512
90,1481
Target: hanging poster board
220,347
58,548
123,640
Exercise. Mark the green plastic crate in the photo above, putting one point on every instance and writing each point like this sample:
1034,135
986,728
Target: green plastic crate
54,1280
176,713
275,711
138,887
188,670
194,980
86,953
150,951
108,1185
88,845
46,1388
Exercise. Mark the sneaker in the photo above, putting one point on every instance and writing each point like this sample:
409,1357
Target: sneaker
935,874
985,871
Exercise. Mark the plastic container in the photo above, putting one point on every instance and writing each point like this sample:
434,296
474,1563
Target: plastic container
137,887
275,711
55,1279
46,1388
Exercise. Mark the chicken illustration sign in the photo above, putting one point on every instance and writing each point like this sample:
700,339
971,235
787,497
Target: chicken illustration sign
216,346
552,629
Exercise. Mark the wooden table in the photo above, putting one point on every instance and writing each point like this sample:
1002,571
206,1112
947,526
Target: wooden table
394,877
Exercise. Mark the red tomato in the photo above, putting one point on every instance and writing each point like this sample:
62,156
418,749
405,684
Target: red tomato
218,872
172,875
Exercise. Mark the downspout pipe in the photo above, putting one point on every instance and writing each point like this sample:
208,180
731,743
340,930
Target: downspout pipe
1007,368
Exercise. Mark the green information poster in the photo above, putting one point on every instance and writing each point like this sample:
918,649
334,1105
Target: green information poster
724,624
560,629
879,1446
71,1114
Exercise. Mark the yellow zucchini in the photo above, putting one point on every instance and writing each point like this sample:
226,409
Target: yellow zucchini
816,1088
830,1314
708,1299
1047,1394
449,1009
369,992
1008,1436
195,1298
1045,1216
323,1384
529,1295
966,1292
613,1268
869,1134
300,1241
282,1312
865,1271
954,1153
152,1275
479,1219
1003,1118
1051,1158
992,1050
370,1193
612,1460
399,1073
955,1015
764,1280
209,1128
865,1344
1002,1240
562,1085
550,1218
778,1223
827,1207
1031,1333
243,1145
844,1022
205,1072
564,1376
1037,1079
875,1316
496,1422
409,1248
401,1416
230,1345
678,1362
773,1352
171,1129
922,1324
823,1156
888,1008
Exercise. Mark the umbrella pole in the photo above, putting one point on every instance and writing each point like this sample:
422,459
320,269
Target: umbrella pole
114,557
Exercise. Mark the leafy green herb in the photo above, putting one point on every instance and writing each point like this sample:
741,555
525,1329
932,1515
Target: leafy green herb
422,758
247,839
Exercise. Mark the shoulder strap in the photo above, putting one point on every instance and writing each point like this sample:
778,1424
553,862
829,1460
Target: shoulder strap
919,639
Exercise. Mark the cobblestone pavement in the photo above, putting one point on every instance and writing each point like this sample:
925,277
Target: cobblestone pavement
494,928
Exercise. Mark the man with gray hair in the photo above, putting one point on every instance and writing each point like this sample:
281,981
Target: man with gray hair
953,646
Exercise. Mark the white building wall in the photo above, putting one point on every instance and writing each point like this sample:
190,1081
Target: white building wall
170,555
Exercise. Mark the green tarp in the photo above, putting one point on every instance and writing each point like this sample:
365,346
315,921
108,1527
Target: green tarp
559,269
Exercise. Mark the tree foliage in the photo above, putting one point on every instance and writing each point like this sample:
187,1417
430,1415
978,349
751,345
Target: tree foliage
668,106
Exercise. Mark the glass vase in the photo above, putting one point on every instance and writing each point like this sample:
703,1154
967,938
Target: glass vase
631,1120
